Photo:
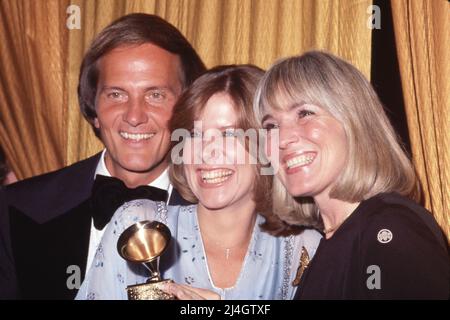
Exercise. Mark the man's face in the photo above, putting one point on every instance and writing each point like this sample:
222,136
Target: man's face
136,91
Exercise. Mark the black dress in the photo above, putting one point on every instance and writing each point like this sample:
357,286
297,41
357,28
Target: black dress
389,248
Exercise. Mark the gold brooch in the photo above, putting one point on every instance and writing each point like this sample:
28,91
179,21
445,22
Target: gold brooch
304,262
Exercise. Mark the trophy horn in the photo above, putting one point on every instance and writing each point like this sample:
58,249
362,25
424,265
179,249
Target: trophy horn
144,242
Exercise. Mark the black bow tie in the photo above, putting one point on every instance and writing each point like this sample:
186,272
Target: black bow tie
109,193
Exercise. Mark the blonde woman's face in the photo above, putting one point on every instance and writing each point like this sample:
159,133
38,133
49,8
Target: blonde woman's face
312,148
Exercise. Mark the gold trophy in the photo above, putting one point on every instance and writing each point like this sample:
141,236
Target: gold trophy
144,242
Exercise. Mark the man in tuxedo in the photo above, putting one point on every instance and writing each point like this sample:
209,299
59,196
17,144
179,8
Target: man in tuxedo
50,225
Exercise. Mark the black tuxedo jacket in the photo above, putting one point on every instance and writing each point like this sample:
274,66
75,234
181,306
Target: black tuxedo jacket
45,226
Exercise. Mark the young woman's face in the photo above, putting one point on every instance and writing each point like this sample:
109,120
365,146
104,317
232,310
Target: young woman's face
216,164
312,148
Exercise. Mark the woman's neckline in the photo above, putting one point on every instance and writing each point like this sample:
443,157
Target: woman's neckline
244,262
344,225
351,218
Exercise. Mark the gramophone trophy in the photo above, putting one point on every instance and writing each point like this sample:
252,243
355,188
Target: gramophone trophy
144,242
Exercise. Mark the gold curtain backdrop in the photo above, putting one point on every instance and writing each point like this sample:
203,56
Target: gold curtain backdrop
41,126
33,81
423,46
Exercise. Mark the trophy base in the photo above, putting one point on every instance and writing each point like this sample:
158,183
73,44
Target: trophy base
149,291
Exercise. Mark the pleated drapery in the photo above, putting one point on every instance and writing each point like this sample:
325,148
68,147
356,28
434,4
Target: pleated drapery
423,46
41,126
33,83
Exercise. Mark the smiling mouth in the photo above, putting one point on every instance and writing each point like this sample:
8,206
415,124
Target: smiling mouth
136,136
301,160
216,176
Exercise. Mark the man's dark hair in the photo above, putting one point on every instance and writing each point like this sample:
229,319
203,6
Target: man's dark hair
134,29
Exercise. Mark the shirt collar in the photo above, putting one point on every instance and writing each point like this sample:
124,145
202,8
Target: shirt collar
161,182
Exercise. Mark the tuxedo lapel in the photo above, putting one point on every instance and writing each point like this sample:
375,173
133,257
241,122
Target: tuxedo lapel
46,255
49,232
52,194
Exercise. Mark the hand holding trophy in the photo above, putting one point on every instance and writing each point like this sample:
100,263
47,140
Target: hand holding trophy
144,242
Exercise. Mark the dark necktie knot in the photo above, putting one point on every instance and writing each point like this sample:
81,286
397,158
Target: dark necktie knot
109,193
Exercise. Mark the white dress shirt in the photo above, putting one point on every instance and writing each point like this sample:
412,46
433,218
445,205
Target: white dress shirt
162,182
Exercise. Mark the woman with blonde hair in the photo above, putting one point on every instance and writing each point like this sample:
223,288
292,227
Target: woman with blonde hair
340,167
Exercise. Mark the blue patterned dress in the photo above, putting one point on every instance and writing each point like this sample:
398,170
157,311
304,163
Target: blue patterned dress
269,267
